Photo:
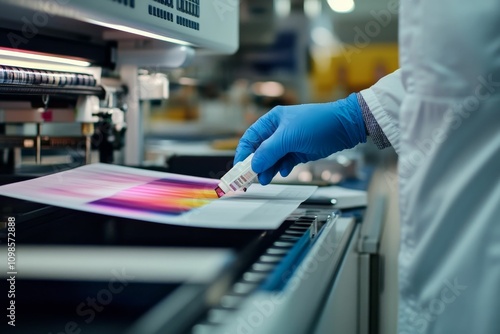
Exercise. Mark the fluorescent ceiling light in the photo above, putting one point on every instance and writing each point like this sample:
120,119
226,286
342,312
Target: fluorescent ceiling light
40,57
341,6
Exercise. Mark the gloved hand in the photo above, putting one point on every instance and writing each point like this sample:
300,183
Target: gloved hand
287,136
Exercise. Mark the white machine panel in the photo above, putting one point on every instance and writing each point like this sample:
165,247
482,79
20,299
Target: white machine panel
210,24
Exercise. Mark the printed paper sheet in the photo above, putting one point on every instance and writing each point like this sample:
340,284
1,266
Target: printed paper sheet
161,197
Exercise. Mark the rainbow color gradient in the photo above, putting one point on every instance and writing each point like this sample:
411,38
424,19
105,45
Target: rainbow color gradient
163,196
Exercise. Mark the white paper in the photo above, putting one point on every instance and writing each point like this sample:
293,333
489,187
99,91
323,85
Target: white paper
133,193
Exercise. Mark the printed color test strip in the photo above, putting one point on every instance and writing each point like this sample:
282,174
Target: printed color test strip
163,196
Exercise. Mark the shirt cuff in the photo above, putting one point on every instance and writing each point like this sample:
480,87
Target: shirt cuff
373,129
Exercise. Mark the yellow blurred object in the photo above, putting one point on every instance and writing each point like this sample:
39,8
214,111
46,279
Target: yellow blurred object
225,144
174,113
351,69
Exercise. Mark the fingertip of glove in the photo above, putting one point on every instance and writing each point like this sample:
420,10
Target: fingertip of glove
267,176
263,179
285,172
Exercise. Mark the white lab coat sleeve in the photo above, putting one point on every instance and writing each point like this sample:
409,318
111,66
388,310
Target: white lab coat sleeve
384,100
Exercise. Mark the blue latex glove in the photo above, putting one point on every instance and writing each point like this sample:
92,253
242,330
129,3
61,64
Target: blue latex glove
287,136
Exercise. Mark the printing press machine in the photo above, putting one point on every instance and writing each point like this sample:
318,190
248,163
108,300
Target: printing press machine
317,273
82,272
